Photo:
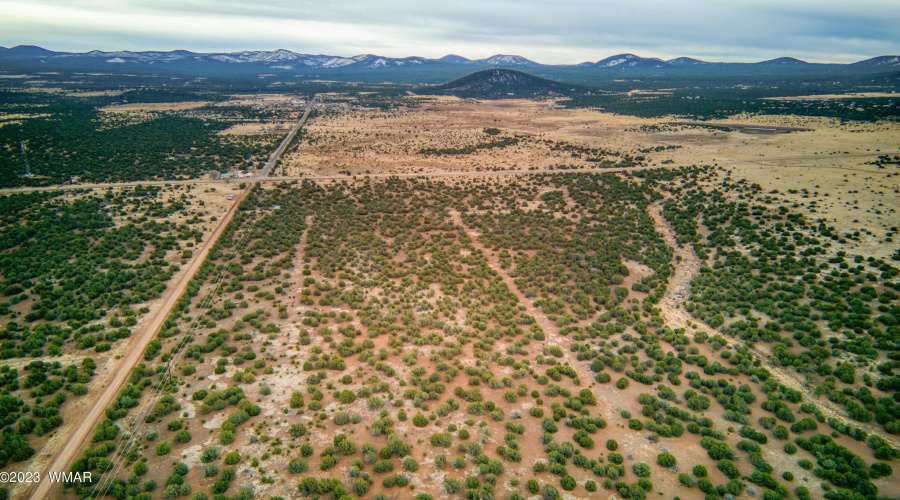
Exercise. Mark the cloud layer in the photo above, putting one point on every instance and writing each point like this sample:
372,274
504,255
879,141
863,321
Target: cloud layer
572,32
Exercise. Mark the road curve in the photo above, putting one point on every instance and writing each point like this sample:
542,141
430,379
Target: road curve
64,458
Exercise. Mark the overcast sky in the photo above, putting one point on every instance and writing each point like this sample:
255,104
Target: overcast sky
543,30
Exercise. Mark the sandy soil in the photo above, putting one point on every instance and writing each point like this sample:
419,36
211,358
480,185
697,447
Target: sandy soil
257,128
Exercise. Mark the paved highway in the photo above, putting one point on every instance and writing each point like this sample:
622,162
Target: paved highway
287,140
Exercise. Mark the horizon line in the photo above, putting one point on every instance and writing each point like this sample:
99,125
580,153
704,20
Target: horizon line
451,54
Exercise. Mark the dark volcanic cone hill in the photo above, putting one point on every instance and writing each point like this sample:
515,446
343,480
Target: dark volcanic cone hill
498,84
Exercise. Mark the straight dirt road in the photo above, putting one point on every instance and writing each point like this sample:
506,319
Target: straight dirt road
287,140
64,458
763,163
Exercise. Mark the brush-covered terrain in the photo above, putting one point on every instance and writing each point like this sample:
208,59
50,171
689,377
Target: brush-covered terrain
572,290
513,338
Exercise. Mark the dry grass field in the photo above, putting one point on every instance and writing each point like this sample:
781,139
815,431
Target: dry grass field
390,142
153,106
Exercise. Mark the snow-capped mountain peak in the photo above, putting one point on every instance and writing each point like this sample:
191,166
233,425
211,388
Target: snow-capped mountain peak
506,60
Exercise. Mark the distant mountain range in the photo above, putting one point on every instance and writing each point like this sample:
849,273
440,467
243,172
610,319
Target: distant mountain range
410,69
278,58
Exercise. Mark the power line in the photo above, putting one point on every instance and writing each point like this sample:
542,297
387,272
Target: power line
151,401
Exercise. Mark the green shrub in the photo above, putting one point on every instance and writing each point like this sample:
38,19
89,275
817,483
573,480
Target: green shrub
728,468
226,437
441,439
209,454
298,466
452,485
665,460
182,436
641,469
382,466
780,432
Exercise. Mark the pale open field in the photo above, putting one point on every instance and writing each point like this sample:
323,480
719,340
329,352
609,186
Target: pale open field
153,106
827,170
389,141
257,128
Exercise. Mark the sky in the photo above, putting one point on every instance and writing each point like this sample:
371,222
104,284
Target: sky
550,32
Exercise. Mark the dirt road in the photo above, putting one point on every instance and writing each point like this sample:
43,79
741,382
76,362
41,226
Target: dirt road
64,458
287,140
679,291
261,178
551,331
779,162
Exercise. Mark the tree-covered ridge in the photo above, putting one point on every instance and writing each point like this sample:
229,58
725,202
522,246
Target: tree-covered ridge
684,98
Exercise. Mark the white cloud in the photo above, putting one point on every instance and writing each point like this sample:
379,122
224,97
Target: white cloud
568,32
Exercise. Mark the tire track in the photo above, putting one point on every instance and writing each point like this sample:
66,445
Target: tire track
679,290
551,331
